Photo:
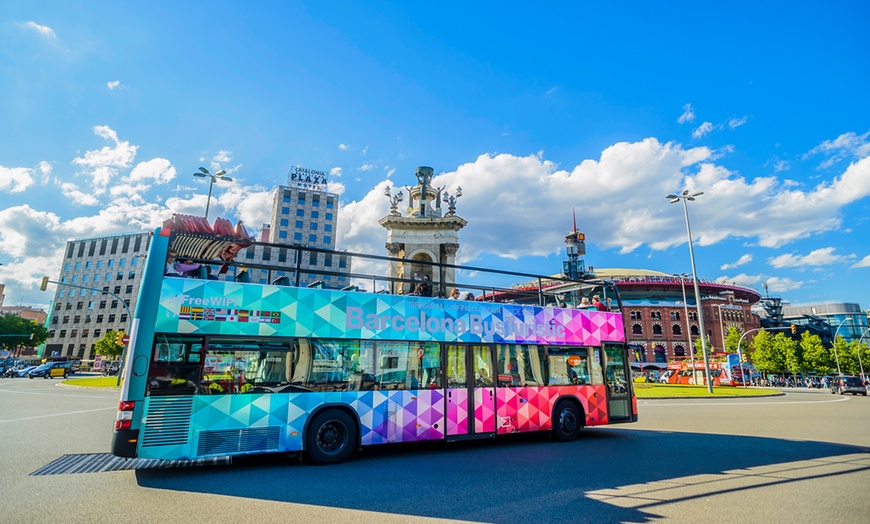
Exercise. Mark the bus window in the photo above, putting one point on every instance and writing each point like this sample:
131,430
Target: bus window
520,365
175,366
573,366
482,358
247,366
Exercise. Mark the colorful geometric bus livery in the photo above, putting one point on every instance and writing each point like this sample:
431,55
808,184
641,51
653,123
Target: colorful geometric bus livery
236,424
229,308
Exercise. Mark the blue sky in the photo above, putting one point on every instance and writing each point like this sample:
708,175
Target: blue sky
108,108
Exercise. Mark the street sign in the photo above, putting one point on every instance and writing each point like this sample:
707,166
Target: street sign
125,339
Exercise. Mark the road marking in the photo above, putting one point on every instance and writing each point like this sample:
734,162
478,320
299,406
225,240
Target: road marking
650,402
56,415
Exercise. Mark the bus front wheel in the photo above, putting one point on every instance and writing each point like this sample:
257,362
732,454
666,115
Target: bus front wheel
331,437
567,421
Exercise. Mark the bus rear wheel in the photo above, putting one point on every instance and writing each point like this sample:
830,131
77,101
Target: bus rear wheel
331,437
567,421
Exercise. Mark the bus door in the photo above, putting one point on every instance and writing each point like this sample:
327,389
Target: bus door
470,395
617,383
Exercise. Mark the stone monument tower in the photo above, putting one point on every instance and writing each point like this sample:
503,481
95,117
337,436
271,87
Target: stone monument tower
423,234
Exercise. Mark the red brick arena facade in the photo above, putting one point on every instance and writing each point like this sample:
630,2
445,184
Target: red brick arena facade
655,314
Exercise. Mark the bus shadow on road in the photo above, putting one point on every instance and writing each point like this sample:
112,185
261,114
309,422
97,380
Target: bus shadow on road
606,476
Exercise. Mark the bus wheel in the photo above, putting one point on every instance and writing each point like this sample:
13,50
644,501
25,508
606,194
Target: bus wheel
331,437
567,421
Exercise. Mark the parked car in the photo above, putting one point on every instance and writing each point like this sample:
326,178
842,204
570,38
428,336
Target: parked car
848,384
25,370
50,370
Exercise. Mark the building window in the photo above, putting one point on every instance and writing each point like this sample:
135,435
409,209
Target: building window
694,331
327,240
676,329
111,319
62,333
315,200
99,319
636,329
312,259
285,210
636,315
675,315
301,199
300,212
115,303
657,330
313,226
78,265
284,222
97,333
679,351
655,315
117,290
693,315
327,227
330,201
315,214
298,224
297,236
123,317
129,289
282,234
312,238
66,320
329,216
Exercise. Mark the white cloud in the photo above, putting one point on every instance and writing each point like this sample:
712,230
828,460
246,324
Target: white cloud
819,257
42,30
702,130
782,284
114,84
335,172
222,156
688,114
366,167
864,262
737,122
343,147
847,145
15,179
745,259
72,192
103,165
781,165
365,150
158,170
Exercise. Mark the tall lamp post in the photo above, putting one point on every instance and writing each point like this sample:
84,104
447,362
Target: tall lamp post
837,353
688,327
861,341
213,178
686,197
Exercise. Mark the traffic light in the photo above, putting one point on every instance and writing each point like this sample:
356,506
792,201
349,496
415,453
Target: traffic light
793,329
44,284
119,338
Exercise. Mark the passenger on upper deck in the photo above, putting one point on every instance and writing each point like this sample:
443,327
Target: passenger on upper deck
454,295
599,305
178,269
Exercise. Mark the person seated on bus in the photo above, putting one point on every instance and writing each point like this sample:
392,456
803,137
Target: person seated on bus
585,304
454,295
469,296
599,305
174,268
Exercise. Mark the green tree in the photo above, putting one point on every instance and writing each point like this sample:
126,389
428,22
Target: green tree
765,356
841,355
699,354
789,351
108,345
815,355
861,354
18,333
732,337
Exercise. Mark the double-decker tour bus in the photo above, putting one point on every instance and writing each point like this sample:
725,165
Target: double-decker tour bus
231,367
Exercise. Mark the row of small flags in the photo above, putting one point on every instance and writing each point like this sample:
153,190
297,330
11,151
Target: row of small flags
228,315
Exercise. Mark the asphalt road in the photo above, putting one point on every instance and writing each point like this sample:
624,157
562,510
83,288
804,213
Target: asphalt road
802,457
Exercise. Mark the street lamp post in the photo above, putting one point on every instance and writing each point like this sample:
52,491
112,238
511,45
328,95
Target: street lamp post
685,197
46,281
837,353
212,179
861,341
688,328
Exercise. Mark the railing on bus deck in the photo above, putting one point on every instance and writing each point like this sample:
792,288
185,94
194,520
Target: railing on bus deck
531,288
